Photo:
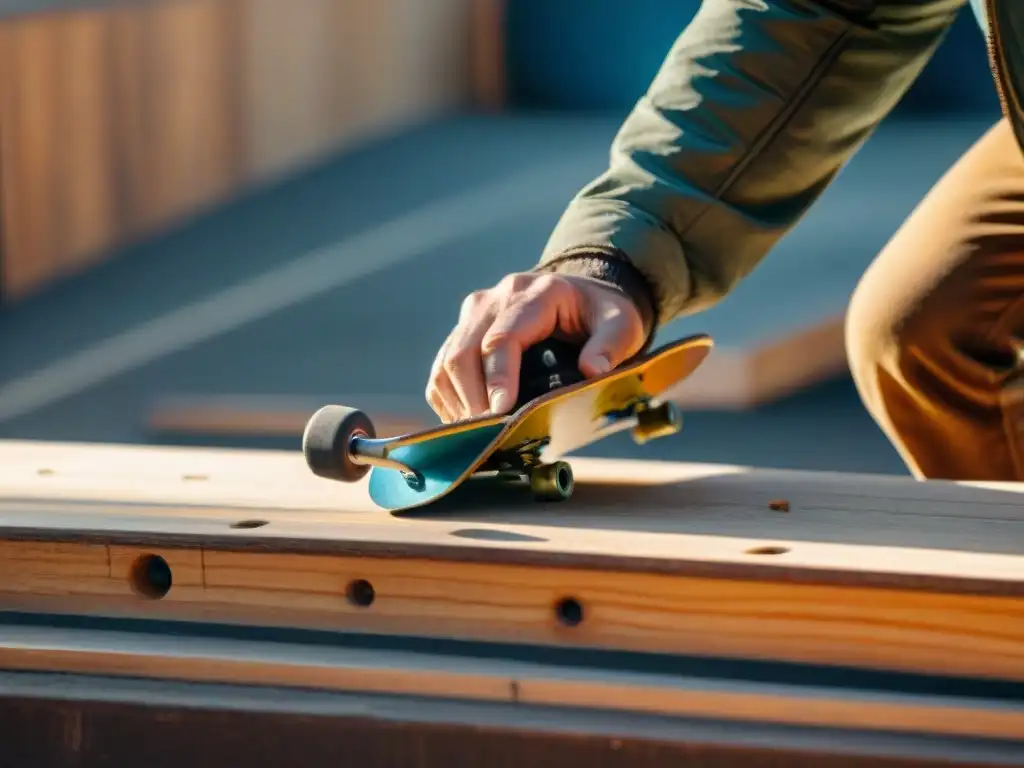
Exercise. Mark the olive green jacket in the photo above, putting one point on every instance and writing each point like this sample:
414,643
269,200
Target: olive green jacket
756,108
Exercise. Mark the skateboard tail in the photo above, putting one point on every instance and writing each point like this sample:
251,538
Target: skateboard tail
439,462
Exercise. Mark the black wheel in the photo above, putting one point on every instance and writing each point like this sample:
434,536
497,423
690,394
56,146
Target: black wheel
326,439
666,419
552,482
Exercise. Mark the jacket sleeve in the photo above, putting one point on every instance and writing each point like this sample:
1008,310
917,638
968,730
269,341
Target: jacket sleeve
756,108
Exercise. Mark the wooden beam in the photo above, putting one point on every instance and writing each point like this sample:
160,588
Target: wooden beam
439,676
119,721
873,572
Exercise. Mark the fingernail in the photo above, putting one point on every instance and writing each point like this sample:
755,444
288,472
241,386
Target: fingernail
602,364
499,400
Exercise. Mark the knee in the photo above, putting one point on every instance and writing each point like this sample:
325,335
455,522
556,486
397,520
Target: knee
873,338
893,339
911,341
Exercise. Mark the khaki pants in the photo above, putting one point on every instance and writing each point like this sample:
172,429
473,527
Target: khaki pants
935,328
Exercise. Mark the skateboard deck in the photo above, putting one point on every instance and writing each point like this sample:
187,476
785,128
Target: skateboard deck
417,468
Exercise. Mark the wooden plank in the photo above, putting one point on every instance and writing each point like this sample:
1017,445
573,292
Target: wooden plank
487,46
882,573
295,82
29,165
597,689
118,721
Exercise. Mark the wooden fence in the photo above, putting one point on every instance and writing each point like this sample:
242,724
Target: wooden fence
119,121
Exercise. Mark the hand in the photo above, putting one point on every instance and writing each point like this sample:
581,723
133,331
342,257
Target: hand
476,371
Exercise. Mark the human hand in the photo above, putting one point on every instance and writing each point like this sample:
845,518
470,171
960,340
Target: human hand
476,370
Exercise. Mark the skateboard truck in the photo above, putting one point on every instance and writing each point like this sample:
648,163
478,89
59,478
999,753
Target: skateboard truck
340,443
660,420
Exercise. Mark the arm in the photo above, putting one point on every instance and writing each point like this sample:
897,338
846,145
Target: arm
756,108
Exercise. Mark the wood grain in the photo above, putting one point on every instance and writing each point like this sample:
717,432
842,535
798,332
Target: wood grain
881,573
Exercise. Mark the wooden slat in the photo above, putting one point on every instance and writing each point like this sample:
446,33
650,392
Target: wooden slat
295,80
254,663
109,720
487,46
194,158
28,164
882,573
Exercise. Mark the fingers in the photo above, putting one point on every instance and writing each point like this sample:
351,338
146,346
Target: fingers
529,317
616,334
455,388
441,395
477,369
463,367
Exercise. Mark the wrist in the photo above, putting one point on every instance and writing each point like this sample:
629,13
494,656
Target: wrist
616,272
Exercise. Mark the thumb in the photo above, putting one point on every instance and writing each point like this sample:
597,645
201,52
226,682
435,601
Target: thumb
616,333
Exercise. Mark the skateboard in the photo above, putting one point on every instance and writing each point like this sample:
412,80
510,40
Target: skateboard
557,412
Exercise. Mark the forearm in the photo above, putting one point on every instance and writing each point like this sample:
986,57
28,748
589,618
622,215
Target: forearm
756,108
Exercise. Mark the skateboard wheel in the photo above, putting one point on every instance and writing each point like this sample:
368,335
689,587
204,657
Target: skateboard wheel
552,482
666,419
326,439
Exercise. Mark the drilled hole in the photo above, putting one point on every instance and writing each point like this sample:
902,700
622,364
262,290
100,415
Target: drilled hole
569,611
151,577
249,524
768,551
360,592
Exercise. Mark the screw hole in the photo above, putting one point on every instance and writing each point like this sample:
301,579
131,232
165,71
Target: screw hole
569,611
768,551
361,592
249,524
151,577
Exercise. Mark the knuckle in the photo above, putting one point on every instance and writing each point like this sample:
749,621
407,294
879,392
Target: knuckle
507,284
457,360
474,300
495,340
550,287
514,283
